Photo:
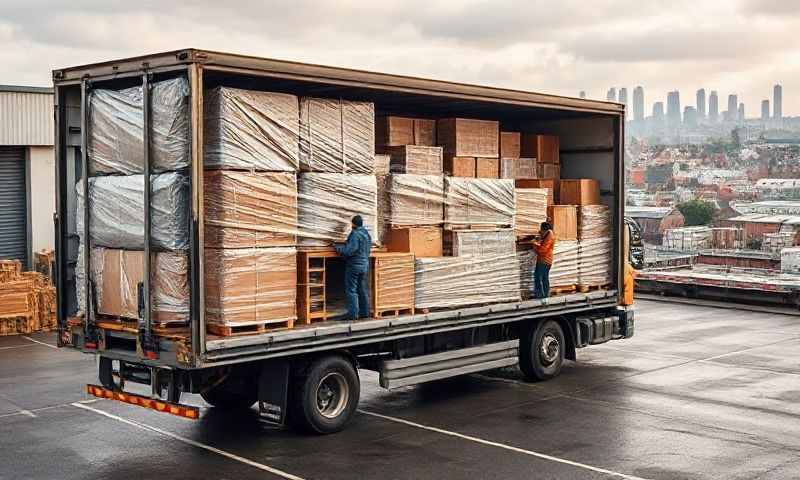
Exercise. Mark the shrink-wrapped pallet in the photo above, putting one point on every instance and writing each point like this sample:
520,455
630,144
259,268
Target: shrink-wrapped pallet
116,211
326,203
790,260
531,210
479,201
594,221
687,239
383,207
249,286
250,209
777,241
337,136
251,130
564,272
451,282
416,200
594,261
480,243
116,125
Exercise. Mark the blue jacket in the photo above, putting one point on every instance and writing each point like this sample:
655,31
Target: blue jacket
356,250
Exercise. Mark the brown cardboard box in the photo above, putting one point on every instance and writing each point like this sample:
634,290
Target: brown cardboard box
462,137
416,159
421,241
250,209
510,144
583,191
509,167
459,166
424,132
251,285
487,167
564,219
550,184
544,148
548,170
393,131
526,168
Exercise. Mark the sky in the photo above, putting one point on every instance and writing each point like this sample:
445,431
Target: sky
731,46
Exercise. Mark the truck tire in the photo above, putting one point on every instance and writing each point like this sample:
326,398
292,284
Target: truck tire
237,392
325,396
541,350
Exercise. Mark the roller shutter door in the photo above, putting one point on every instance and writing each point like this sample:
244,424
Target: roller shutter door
13,205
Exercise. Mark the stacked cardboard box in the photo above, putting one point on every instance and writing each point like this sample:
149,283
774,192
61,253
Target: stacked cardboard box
421,241
395,131
471,147
582,191
550,185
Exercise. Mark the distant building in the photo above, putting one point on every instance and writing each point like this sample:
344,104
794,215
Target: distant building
654,221
777,102
623,97
764,110
713,106
658,113
701,104
611,96
733,108
582,94
674,108
638,104
690,116
740,117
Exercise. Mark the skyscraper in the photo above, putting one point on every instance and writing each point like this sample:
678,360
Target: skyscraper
777,102
582,94
690,116
674,108
611,96
638,104
713,106
764,110
623,97
740,116
658,113
733,108
701,103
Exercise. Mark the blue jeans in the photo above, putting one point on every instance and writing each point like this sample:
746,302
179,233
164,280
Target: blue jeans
541,280
355,287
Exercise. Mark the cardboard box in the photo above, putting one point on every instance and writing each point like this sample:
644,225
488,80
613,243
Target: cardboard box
251,286
487,167
459,166
394,131
510,143
337,136
421,241
250,209
527,168
509,168
462,137
548,170
582,191
416,160
544,148
550,184
564,219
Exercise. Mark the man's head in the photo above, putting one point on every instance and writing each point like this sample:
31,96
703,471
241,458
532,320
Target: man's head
545,227
357,221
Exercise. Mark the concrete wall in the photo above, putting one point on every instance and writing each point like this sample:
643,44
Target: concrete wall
43,196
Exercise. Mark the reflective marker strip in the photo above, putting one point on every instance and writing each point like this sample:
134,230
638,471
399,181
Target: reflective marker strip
176,409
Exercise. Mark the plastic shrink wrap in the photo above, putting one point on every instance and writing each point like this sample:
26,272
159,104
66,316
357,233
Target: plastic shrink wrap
337,136
452,282
116,211
248,286
251,130
531,210
687,239
416,200
116,124
790,260
116,275
564,271
480,243
594,261
594,221
326,203
248,210
527,264
479,201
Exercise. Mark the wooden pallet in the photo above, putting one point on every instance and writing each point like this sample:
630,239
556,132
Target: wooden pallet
474,226
592,288
563,290
393,313
239,330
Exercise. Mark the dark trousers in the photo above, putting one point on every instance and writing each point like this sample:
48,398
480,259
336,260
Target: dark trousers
357,291
541,280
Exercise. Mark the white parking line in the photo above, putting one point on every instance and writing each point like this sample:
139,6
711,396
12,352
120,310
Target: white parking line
503,446
40,343
16,346
32,413
193,443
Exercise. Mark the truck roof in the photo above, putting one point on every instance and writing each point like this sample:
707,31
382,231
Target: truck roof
326,75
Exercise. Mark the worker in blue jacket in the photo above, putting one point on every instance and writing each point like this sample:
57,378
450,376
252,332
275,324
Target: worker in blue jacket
356,254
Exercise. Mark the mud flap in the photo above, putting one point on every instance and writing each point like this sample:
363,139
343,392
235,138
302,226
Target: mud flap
273,391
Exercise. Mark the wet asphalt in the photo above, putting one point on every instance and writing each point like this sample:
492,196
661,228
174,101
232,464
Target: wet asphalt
699,393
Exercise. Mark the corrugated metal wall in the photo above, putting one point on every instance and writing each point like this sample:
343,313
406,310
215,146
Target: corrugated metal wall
26,118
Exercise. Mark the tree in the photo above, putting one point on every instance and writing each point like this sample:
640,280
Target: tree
697,212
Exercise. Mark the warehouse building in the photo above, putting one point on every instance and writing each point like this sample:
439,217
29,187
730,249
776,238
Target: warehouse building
27,172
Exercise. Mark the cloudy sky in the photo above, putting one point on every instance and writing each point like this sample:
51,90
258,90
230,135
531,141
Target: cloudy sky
732,46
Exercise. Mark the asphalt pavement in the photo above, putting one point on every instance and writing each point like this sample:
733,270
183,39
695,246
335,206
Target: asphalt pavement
700,392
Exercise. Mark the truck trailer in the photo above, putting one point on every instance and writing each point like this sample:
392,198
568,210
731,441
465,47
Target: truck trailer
308,375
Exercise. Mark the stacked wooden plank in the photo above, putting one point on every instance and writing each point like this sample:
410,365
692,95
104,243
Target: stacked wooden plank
594,247
27,300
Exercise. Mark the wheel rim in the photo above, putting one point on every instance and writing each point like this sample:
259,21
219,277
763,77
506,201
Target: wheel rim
549,349
332,395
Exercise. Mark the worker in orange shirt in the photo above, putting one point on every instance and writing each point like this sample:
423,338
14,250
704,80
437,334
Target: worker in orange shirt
544,260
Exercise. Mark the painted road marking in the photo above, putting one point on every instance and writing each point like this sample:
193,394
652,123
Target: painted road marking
503,446
32,413
16,346
40,343
188,441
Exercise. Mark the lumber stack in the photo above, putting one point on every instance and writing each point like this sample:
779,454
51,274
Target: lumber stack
27,300
594,247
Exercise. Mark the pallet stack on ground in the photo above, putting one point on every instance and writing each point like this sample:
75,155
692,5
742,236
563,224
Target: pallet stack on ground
776,242
688,239
723,277
27,300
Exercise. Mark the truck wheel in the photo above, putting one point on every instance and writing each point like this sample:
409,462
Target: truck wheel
541,350
236,392
326,396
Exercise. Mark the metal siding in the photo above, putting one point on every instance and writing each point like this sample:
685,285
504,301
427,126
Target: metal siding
26,119
13,205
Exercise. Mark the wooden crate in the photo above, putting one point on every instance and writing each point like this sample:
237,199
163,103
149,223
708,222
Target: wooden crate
487,167
463,137
510,144
564,219
550,184
582,191
420,241
459,166
544,148
393,131
527,168
392,284
548,170
415,159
